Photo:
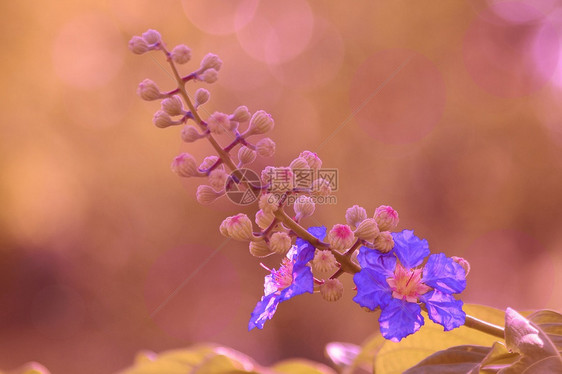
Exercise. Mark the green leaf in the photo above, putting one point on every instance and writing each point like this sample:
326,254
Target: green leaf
460,359
301,366
498,358
551,323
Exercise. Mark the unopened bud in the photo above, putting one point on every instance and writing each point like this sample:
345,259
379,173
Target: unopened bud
173,105
239,227
324,261
304,206
264,219
211,61
181,54
281,179
463,263
190,134
355,215
280,242
269,202
184,166
241,114
246,155
138,46
148,90
217,179
202,95
208,76
208,162
267,174
314,162
299,163
340,237
162,120
151,36
218,123
367,229
260,249
265,147
260,123
331,290
386,217
206,194
321,187
384,242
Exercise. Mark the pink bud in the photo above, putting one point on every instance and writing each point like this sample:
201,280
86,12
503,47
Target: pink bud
151,36
386,217
210,61
280,242
331,290
340,237
265,147
201,96
181,54
367,229
384,242
206,194
218,123
138,46
324,261
148,90
241,114
239,227
208,76
260,249
184,165
173,105
190,134
260,123
355,215
162,120
246,155
304,207
314,162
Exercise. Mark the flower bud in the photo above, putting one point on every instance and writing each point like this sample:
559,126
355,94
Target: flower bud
239,227
208,76
181,54
386,217
314,162
201,96
269,202
173,105
210,61
321,187
246,155
280,242
463,263
260,249
190,134
340,237
304,206
138,46
184,166
208,162
151,36
324,261
367,229
265,147
162,120
206,194
299,163
241,114
260,123
217,179
384,242
148,90
281,179
355,215
267,174
264,219
218,123
331,290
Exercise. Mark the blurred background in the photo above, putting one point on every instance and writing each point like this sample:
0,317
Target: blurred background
448,111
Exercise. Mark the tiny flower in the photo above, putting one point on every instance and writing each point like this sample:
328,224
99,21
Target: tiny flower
138,46
190,134
241,114
184,165
321,187
264,219
463,263
206,194
208,162
304,207
367,229
151,36
265,147
292,278
202,95
396,283
331,290
340,237
355,215
280,242
260,123
386,217
324,261
260,249
298,163
269,202
314,162
246,155
208,76
218,123
238,227
217,179
181,54
384,242
210,61
173,105
148,90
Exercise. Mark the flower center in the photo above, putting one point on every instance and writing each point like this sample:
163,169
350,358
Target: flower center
406,284
283,277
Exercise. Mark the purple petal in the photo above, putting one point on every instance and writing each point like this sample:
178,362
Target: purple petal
444,309
264,310
376,261
302,282
444,274
305,250
400,319
410,249
372,289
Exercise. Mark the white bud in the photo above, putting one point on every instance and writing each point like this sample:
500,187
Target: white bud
239,227
304,206
241,114
386,217
162,120
264,219
173,105
321,187
138,46
246,155
260,249
324,261
269,202
217,179
184,165
148,90
299,163
260,123
151,36
384,242
280,242
208,162
206,194
367,229
201,96
210,61
218,123
314,162
267,174
265,147
355,215
181,54
208,76
331,290
190,134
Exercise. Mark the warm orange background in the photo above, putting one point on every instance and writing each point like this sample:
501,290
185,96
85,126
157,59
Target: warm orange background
438,108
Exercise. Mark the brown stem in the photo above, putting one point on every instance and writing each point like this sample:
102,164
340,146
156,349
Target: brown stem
483,326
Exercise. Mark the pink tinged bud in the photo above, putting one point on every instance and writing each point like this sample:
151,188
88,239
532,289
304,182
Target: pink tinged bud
239,227
151,36
265,147
208,76
299,163
260,249
210,61
386,217
367,230
148,90
181,54
246,155
184,165
217,179
173,106
304,206
190,134
260,123
314,162
138,46
206,194
321,187
208,162
331,290
324,261
162,120
282,179
340,237
463,263
201,96
267,174
384,242
218,123
264,219
280,242
241,114
269,202
355,215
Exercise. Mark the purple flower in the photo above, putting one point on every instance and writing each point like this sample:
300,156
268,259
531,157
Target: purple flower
292,278
397,284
